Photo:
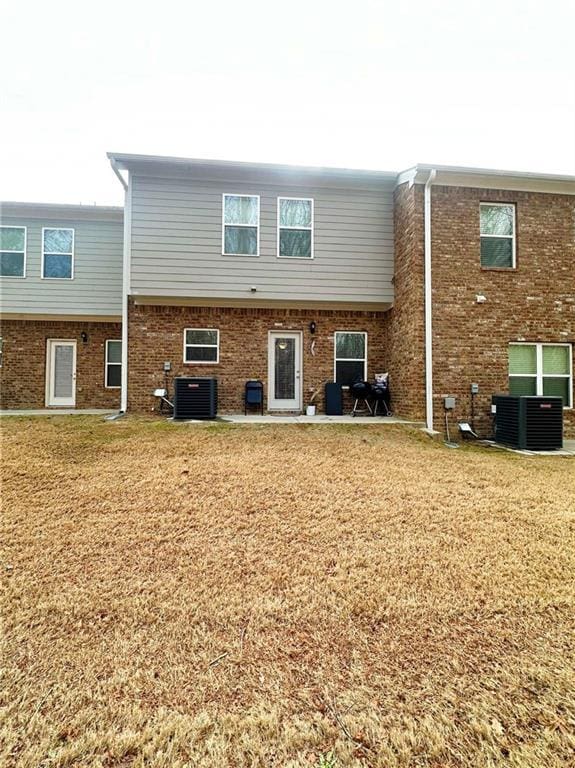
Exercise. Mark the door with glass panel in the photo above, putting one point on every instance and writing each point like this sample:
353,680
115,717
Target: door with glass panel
61,373
284,371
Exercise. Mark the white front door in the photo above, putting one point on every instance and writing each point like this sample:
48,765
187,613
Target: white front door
284,371
61,373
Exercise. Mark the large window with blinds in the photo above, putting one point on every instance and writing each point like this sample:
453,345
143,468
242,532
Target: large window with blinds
542,369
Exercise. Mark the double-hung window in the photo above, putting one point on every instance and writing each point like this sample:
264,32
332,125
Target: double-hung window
541,369
241,225
295,227
12,251
113,363
350,357
57,253
497,227
201,346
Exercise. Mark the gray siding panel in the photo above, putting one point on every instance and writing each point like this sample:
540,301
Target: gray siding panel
96,288
176,243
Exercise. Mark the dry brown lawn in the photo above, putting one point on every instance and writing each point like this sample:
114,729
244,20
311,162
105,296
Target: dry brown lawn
221,595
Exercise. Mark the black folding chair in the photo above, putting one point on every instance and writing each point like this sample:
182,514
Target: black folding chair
254,395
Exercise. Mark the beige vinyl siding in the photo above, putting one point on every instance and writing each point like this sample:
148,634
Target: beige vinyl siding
176,242
96,288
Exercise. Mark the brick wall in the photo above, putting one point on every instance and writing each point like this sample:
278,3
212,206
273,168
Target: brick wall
156,336
23,371
534,302
406,319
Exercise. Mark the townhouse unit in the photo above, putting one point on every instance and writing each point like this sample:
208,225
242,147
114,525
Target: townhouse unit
443,277
61,306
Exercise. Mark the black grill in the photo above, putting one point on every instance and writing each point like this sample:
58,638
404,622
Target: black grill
195,398
532,423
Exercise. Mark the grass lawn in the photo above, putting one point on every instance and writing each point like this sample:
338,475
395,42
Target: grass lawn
270,596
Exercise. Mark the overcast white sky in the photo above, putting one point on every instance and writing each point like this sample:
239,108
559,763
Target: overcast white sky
355,83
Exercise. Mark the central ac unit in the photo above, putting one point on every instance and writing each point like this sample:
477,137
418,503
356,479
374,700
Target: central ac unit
195,397
528,422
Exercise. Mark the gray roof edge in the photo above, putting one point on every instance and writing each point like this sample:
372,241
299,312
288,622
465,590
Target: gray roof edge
124,160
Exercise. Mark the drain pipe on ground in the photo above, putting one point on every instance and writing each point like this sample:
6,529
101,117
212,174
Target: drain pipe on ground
427,294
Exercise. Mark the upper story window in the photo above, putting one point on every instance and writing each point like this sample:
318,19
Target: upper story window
497,235
12,251
57,253
201,345
295,227
541,369
241,225
350,357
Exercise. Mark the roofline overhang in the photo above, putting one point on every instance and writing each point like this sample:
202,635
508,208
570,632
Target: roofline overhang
489,178
60,210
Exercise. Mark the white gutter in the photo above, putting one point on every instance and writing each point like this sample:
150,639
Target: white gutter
116,170
427,294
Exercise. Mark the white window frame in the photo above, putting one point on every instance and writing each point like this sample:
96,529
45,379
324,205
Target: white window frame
23,275
108,363
337,359
216,345
511,237
306,229
245,226
52,253
538,375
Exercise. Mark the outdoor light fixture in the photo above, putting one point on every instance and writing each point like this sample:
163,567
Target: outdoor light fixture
84,337
312,327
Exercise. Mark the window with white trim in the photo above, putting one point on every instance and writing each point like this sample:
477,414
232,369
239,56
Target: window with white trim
57,253
113,363
295,227
497,228
241,225
201,346
12,251
350,357
542,369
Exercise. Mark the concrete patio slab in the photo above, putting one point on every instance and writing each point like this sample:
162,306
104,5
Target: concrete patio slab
567,450
318,419
59,412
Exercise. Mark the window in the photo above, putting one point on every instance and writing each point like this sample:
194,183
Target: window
295,228
241,221
201,346
113,363
541,369
350,357
12,251
58,253
497,222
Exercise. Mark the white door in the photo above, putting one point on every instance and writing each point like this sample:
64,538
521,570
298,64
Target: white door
284,371
61,373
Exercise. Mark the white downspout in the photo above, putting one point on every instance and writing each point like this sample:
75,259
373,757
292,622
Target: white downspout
427,294
125,292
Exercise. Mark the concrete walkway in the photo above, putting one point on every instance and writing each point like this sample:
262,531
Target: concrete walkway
60,412
320,418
